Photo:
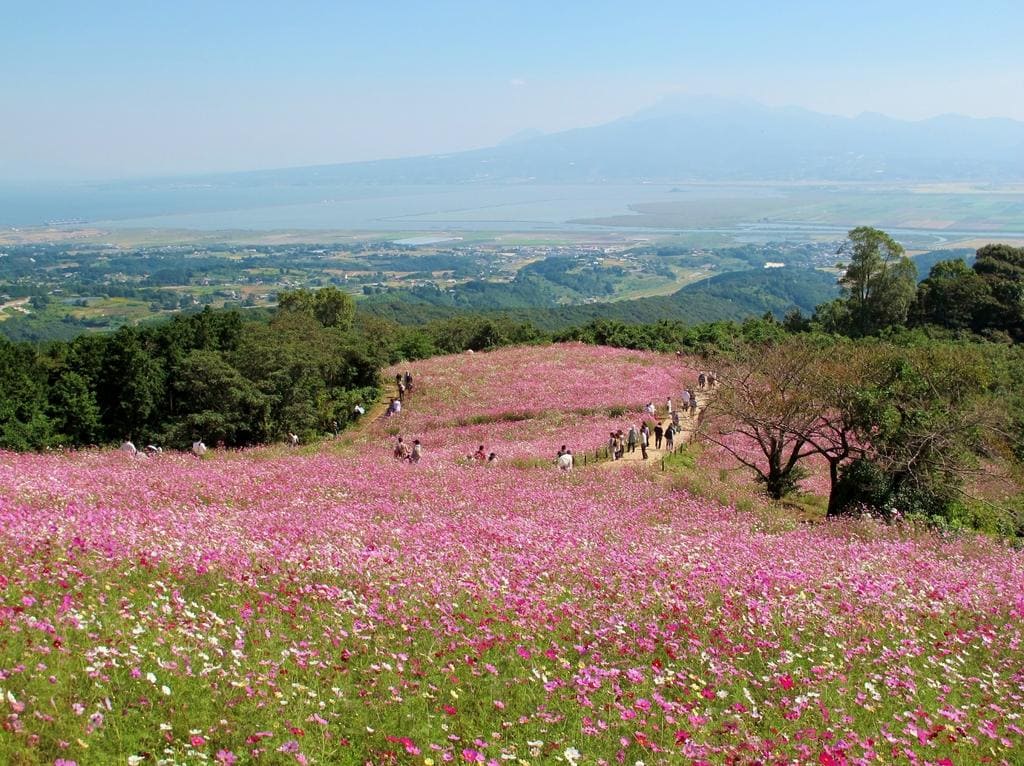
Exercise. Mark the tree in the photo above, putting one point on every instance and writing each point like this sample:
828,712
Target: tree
216,403
879,284
952,296
73,409
923,417
23,420
329,306
764,410
1001,267
130,390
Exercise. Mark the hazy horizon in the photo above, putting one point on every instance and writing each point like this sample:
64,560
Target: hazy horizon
110,91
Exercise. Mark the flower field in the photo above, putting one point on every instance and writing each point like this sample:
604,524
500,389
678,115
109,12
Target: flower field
332,605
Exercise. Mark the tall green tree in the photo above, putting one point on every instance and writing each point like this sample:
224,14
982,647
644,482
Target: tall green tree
215,402
329,306
953,296
73,409
879,284
130,392
23,419
1002,269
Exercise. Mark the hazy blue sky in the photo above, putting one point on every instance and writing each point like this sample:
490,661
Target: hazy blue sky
104,89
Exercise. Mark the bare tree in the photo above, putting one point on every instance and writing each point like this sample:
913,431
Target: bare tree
767,406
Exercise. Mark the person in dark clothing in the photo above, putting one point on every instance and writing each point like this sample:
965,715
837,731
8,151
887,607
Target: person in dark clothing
658,432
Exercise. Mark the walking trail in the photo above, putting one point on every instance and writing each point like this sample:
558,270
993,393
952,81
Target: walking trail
688,422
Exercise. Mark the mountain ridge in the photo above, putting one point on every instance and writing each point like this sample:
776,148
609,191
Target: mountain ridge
713,139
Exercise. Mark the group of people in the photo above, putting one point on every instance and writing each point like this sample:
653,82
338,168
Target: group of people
409,454
707,379
620,443
403,387
483,456
128,447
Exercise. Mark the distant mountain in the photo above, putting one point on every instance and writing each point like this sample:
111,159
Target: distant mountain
711,139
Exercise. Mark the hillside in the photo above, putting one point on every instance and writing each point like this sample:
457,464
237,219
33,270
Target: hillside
734,295
329,604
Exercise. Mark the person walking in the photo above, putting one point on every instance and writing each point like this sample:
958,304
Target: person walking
702,380
417,451
565,461
658,432
693,403
668,404
644,437
631,439
670,435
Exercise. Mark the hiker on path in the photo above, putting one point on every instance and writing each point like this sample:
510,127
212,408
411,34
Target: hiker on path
693,403
417,451
670,435
675,418
631,439
712,379
686,399
668,404
649,409
644,440
658,433
492,459
408,381
702,380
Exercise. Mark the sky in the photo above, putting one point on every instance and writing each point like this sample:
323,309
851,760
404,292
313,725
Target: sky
94,90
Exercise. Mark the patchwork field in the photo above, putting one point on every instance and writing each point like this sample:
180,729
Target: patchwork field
329,604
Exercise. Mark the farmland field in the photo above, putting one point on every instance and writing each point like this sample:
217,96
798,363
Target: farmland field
329,604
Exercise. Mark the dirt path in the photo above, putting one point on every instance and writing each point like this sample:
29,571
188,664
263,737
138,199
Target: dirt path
689,423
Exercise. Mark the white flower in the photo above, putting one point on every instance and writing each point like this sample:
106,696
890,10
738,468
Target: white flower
166,690
571,755
151,678
135,760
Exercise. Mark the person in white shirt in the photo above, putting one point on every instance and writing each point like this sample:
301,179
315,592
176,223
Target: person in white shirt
565,461
198,448
127,446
